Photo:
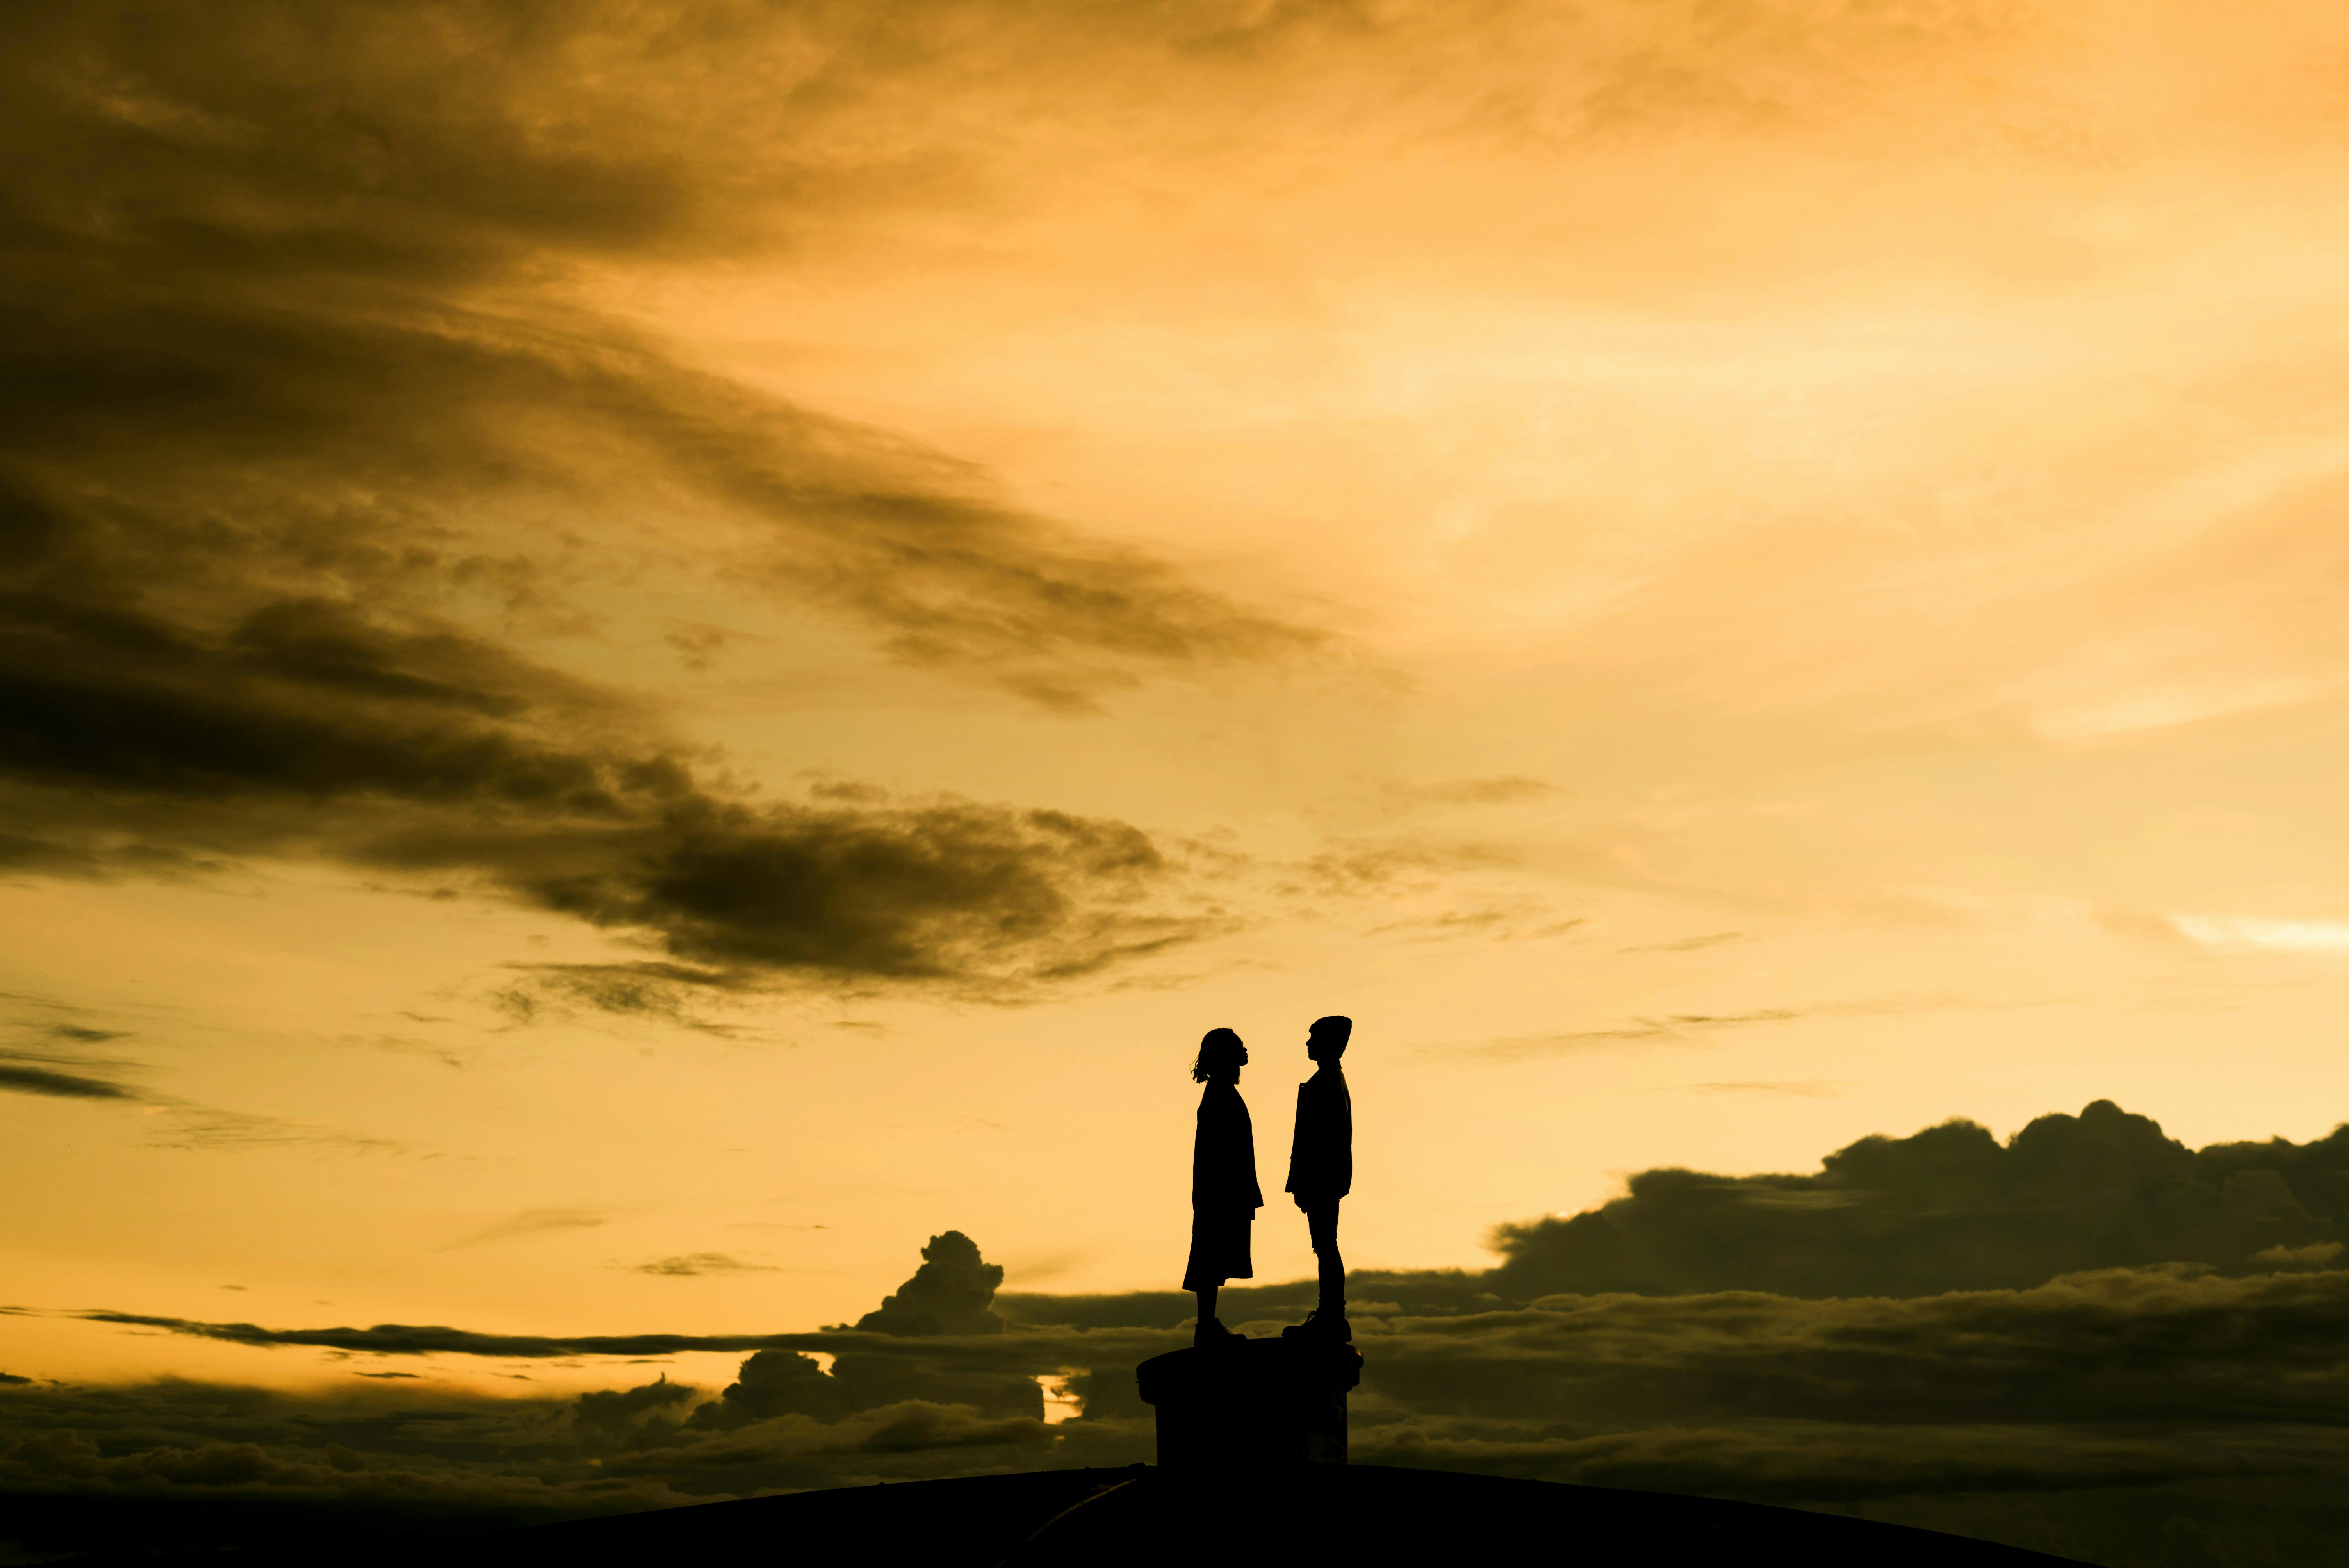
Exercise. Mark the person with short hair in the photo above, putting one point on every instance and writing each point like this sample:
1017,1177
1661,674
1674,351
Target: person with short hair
1224,1193
1321,1169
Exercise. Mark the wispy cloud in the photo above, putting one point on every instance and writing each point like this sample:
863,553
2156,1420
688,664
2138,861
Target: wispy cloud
68,1071
1518,921
2274,935
1806,1088
1690,1028
1677,1027
688,1265
183,1124
531,1222
1501,791
1688,943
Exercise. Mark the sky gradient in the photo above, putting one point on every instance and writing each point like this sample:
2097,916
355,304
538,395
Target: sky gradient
651,653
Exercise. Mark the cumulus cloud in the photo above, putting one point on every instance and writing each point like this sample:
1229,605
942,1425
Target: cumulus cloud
949,1294
1949,1208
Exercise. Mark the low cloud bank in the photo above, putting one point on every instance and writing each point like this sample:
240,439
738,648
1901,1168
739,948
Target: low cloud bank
2121,1415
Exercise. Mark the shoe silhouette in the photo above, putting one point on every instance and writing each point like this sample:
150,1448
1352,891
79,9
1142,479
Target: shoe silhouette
1320,1326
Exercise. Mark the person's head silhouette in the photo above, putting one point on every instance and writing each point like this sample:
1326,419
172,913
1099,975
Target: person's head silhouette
1327,1040
1221,1057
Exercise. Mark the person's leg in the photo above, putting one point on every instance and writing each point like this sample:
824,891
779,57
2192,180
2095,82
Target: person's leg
1206,1294
1321,1224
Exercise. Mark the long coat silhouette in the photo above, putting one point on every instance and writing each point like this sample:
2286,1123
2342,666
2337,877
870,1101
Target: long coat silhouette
1224,1193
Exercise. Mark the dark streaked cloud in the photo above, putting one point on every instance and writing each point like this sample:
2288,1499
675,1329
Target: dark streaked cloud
437,755
288,388
948,891
290,275
23,1079
84,1035
318,726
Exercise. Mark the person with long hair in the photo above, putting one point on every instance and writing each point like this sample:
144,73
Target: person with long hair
1224,1193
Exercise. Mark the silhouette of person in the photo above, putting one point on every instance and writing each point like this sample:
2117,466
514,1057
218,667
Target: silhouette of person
1321,1168
1224,1193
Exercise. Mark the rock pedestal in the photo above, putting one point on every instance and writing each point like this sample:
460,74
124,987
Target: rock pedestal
1252,1402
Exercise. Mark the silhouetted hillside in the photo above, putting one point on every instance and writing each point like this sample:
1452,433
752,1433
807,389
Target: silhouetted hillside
1143,1516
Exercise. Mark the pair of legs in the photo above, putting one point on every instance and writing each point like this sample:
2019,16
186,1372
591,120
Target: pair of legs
1321,1224
1219,1253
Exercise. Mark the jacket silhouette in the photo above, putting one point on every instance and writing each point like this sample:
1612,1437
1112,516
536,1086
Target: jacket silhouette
1321,1150
1321,1168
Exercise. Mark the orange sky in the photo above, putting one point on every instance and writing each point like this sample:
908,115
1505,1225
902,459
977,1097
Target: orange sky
1741,576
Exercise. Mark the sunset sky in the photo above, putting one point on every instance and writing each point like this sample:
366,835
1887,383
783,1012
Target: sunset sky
649,653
